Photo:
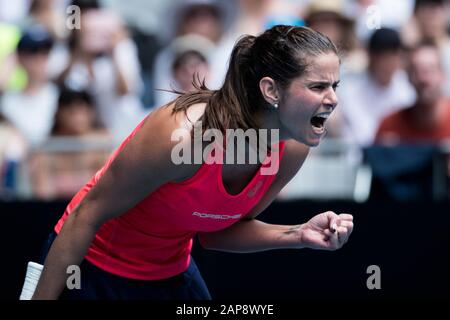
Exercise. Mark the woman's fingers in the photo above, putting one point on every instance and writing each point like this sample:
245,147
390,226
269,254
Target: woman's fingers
334,240
338,234
331,237
342,235
347,224
338,230
346,216
334,223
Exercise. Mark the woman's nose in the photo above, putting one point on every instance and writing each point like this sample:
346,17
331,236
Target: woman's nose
331,99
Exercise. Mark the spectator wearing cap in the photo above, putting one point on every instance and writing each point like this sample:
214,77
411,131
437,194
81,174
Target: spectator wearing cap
31,110
208,19
366,98
191,60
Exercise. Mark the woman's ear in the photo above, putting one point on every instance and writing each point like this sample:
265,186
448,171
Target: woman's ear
269,90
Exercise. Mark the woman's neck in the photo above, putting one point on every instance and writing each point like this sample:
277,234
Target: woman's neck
268,119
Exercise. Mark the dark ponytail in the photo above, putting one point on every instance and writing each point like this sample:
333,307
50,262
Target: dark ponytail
231,104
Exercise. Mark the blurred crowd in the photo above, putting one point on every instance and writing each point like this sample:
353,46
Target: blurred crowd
77,76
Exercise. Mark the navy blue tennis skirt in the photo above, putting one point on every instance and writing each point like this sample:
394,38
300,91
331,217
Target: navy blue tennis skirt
97,284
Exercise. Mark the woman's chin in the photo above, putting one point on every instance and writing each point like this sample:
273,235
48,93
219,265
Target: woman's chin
311,138
315,136
313,142
310,141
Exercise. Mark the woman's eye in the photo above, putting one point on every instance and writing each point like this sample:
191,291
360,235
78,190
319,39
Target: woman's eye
318,88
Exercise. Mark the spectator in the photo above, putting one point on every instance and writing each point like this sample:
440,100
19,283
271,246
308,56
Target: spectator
206,18
103,60
191,60
50,14
76,115
31,110
430,24
328,17
57,172
255,16
13,149
372,14
11,75
427,120
366,98
252,16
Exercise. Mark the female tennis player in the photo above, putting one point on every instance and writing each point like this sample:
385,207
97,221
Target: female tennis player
131,228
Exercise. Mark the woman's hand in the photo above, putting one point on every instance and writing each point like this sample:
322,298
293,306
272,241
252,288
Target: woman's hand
326,231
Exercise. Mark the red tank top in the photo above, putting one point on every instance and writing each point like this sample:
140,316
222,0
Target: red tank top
153,240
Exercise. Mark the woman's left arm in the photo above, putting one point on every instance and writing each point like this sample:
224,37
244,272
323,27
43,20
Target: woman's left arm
327,231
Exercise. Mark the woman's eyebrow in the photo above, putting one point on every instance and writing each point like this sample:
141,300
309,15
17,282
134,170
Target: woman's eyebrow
323,83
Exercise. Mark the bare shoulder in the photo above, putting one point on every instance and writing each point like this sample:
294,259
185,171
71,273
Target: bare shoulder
144,164
161,132
167,121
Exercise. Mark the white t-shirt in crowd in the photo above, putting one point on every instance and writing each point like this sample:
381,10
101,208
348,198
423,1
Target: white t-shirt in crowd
32,114
363,104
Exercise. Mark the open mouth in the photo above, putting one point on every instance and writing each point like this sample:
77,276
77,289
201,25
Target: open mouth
318,122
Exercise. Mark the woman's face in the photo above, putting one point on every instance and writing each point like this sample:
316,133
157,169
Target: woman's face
309,100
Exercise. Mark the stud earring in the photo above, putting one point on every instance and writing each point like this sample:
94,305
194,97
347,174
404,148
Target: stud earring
275,105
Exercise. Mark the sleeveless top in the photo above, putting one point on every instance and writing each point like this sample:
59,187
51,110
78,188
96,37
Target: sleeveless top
153,240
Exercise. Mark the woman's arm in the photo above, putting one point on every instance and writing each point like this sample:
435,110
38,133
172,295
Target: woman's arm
142,166
251,235
327,231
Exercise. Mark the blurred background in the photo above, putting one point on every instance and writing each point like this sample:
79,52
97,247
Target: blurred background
77,76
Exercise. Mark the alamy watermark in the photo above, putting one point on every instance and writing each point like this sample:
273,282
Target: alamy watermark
374,280
73,20
74,279
237,150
